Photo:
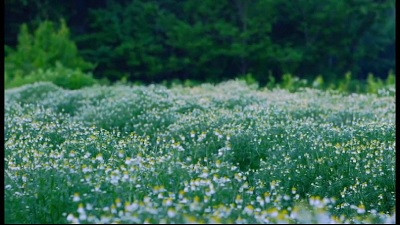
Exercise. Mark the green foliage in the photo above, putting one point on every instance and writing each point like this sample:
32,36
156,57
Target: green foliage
129,46
292,83
371,85
191,83
349,84
226,153
180,83
391,79
374,84
212,41
249,79
318,82
33,13
42,50
208,40
59,75
158,43
344,85
271,82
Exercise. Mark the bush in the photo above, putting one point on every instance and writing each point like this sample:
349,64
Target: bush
391,79
349,84
292,83
249,79
374,84
318,82
59,75
42,50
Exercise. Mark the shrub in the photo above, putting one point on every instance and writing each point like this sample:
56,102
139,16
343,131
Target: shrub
374,84
42,50
271,82
318,82
292,83
349,84
59,75
249,78
391,79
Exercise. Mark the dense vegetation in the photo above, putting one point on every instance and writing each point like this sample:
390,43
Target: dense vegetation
264,111
48,54
213,40
225,153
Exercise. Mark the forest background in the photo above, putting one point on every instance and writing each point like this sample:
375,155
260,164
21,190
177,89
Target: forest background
341,44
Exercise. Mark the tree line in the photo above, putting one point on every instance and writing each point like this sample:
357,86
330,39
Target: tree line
212,40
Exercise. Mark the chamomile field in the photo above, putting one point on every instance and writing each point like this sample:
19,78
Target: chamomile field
226,153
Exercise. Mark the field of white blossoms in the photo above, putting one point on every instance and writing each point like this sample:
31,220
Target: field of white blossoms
227,153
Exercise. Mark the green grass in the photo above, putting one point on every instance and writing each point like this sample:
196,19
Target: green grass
227,153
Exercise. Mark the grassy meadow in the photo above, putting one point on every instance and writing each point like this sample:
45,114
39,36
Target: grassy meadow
226,153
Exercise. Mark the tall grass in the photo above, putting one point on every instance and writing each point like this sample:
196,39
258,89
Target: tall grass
212,153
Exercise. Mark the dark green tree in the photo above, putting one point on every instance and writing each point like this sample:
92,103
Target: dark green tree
215,40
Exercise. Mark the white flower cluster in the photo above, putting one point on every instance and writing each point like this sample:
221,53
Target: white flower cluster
228,153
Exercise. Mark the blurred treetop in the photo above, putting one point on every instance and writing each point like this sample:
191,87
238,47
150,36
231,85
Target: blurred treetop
213,40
